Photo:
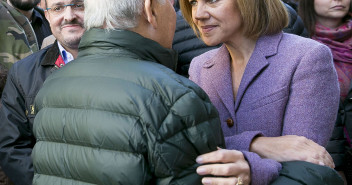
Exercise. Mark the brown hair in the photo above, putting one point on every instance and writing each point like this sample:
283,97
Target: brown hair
261,17
307,12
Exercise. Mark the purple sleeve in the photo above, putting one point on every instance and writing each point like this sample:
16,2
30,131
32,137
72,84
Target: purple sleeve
314,97
263,171
241,141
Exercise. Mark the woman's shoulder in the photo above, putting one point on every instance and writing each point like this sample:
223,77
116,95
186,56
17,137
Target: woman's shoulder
299,42
207,55
301,46
204,60
305,52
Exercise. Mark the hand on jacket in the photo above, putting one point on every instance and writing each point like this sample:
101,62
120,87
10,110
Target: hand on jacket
291,148
229,164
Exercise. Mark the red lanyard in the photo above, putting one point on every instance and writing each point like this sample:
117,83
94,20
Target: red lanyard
60,62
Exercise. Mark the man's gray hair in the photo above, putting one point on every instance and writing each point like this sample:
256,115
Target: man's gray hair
112,14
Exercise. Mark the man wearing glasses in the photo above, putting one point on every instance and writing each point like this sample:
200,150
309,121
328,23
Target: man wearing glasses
24,81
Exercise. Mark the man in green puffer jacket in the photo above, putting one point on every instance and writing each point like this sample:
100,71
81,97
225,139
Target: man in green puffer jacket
119,114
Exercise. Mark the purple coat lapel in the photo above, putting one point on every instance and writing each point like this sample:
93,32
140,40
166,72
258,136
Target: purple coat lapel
219,70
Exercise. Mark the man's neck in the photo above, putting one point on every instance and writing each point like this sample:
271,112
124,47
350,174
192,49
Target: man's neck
67,54
27,13
73,51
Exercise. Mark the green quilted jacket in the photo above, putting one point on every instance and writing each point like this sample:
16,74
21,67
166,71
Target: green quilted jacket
119,115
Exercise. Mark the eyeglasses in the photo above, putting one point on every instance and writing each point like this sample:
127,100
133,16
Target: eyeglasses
59,9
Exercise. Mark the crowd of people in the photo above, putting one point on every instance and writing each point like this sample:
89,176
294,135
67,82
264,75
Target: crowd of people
176,92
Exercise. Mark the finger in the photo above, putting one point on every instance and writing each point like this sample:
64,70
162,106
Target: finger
327,159
330,162
222,181
321,156
220,156
225,170
321,162
318,161
324,158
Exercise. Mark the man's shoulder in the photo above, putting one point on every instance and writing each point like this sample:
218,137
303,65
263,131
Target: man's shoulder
9,26
166,79
3,6
6,12
29,74
31,62
142,73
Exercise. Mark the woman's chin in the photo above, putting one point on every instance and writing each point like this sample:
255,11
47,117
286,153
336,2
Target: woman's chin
210,42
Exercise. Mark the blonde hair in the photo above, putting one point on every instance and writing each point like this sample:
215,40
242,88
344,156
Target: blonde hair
260,17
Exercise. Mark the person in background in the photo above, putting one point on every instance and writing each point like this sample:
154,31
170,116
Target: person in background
119,114
41,4
329,22
24,81
22,29
292,3
277,94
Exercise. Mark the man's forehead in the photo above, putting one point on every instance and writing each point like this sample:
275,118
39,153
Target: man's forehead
62,1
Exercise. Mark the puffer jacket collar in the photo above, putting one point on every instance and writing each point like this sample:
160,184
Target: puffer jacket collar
125,43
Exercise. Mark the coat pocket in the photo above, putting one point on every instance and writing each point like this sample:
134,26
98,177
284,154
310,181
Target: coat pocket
271,98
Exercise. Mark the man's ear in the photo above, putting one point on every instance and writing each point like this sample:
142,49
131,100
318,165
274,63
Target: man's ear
46,13
149,11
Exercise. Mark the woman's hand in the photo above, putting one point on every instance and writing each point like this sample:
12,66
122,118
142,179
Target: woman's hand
291,148
229,165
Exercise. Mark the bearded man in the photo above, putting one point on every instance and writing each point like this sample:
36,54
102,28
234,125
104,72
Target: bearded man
23,27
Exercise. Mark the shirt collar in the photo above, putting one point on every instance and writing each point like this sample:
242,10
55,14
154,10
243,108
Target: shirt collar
66,56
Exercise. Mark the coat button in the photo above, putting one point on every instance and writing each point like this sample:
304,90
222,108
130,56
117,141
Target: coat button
230,122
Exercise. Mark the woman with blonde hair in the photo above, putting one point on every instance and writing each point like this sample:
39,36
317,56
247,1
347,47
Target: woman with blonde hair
277,94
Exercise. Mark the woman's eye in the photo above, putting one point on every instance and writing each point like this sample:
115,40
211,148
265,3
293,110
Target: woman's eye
193,2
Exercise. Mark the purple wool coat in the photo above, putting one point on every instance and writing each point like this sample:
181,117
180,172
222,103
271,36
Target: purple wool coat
289,87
